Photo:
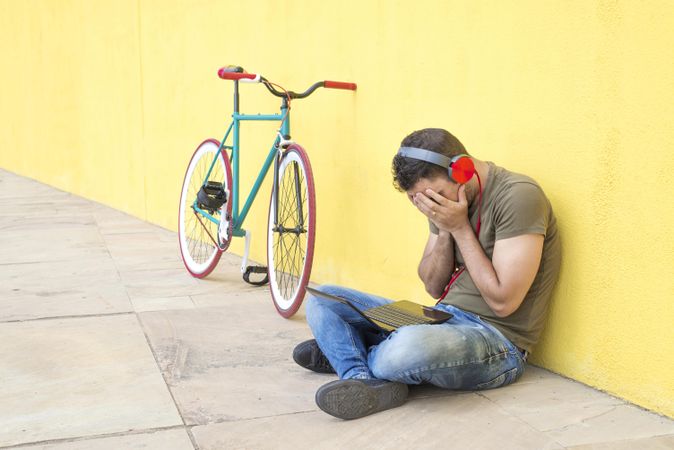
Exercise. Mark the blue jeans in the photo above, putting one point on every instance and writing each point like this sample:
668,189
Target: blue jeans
463,353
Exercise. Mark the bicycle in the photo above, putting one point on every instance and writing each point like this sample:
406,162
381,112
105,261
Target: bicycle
209,216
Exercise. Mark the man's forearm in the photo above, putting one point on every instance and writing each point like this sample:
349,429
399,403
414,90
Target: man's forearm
436,268
480,268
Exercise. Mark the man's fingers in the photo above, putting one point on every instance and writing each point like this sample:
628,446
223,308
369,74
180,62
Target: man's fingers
423,199
425,205
462,194
425,209
437,197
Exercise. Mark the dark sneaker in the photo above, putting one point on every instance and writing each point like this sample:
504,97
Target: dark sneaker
308,355
351,399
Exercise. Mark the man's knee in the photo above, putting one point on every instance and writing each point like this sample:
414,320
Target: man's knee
333,289
400,352
316,307
415,348
313,308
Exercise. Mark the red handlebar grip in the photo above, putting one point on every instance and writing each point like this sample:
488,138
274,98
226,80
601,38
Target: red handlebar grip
339,85
234,75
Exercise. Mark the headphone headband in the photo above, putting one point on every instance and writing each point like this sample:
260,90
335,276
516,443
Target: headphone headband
425,155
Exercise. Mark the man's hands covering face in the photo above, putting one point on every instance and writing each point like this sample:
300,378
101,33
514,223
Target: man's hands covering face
446,214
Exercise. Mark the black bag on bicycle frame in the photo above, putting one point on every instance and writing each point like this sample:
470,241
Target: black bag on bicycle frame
211,196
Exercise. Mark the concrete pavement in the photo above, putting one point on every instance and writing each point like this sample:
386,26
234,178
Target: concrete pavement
107,343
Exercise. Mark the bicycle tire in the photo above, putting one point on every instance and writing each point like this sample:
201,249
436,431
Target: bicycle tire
196,235
289,259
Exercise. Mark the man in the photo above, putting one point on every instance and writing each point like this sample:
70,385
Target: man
500,284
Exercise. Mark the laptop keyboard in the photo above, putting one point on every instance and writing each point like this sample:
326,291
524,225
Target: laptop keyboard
394,316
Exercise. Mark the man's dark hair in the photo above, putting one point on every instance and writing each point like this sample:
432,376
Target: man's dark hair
407,171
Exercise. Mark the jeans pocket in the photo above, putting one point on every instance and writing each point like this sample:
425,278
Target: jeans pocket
504,379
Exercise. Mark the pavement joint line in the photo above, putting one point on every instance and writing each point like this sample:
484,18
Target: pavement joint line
518,419
95,436
245,419
75,316
582,422
122,233
195,444
168,387
34,262
193,302
443,393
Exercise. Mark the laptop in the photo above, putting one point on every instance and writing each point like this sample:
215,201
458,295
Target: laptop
394,315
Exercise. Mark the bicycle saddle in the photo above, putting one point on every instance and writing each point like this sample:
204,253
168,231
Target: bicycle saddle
231,68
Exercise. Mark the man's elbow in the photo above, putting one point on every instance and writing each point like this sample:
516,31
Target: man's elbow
503,311
434,292
505,308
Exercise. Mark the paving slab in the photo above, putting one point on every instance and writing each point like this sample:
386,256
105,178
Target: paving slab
552,403
16,186
255,297
111,221
159,440
35,203
231,362
141,251
37,224
153,283
622,422
574,414
24,246
61,288
651,443
459,421
141,304
64,378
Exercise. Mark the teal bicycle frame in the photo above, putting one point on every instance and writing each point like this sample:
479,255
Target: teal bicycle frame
238,218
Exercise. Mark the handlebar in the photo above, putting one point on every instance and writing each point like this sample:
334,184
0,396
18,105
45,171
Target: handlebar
226,73
339,85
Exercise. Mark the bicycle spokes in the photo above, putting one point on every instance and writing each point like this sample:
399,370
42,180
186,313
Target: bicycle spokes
290,233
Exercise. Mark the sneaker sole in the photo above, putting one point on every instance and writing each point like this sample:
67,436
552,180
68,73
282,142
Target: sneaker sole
352,399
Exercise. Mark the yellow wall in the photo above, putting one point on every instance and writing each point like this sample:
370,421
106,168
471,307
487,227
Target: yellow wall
108,98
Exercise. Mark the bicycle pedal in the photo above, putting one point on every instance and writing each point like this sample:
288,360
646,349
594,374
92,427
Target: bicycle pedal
256,269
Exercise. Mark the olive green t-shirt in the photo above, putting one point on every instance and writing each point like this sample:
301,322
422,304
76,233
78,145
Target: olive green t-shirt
512,205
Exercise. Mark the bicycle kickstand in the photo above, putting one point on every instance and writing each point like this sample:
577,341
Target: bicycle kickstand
246,270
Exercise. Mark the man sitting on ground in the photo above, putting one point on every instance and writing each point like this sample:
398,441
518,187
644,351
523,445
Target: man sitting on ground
500,283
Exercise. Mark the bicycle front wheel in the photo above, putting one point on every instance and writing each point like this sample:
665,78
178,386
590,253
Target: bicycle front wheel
203,238
291,232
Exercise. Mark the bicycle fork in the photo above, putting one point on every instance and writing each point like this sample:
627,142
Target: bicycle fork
298,197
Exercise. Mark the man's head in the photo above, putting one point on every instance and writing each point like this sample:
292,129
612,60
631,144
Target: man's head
408,171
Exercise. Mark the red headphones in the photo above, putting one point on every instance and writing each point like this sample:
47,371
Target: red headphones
460,168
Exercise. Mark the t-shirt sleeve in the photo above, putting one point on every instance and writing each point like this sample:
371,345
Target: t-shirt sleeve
432,228
523,209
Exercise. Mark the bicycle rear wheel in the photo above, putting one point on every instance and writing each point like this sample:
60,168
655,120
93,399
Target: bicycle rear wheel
202,241
290,241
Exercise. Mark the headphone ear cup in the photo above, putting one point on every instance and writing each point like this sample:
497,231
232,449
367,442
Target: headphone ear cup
461,169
